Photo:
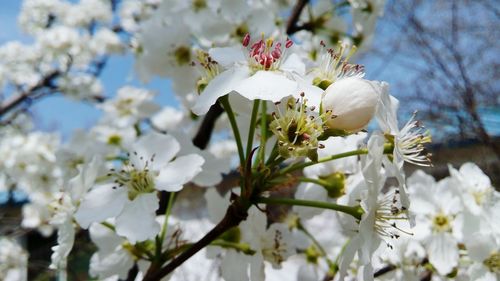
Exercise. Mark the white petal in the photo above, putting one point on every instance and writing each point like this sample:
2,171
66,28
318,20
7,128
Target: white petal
174,175
267,85
105,239
443,252
216,204
80,184
294,64
227,56
65,240
137,221
476,176
348,255
221,85
234,266
163,147
480,247
105,266
310,191
101,203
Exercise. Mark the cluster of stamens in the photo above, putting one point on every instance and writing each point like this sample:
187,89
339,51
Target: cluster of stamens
137,180
493,262
264,54
389,211
410,143
334,66
296,129
209,69
441,222
277,252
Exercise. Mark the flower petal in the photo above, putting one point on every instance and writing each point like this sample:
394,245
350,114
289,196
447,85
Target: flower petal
221,85
101,203
163,147
174,175
227,56
137,221
443,252
267,85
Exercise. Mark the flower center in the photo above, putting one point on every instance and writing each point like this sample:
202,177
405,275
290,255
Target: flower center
277,252
410,143
137,180
182,55
481,196
493,262
441,223
297,131
208,69
388,212
264,54
334,66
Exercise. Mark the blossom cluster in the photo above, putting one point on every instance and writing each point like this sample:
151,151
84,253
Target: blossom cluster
288,184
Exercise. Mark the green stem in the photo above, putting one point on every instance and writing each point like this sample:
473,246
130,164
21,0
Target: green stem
263,132
301,227
316,181
302,165
108,225
234,126
251,130
354,211
161,238
240,247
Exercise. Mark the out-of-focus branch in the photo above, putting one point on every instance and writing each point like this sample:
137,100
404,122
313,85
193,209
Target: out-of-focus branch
14,101
204,133
291,26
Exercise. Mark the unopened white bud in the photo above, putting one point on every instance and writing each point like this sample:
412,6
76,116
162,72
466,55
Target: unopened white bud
352,102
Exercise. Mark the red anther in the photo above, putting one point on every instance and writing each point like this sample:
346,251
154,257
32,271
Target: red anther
246,40
322,43
288,43
276,53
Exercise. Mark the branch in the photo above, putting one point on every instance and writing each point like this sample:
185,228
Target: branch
16,100
291,26
207,126
235,214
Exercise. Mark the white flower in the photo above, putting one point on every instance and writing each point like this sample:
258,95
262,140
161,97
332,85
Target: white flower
382,218
264,71
484,252
129,106
473,187
64,208
436,208
352,101
131,198
13,261
111,258
335,174
333,66
408,142
169,118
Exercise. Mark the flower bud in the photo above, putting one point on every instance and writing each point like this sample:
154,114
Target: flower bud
351,102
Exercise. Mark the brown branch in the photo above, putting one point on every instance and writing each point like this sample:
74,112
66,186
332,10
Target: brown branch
16,100
235,214
207,126
291,26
